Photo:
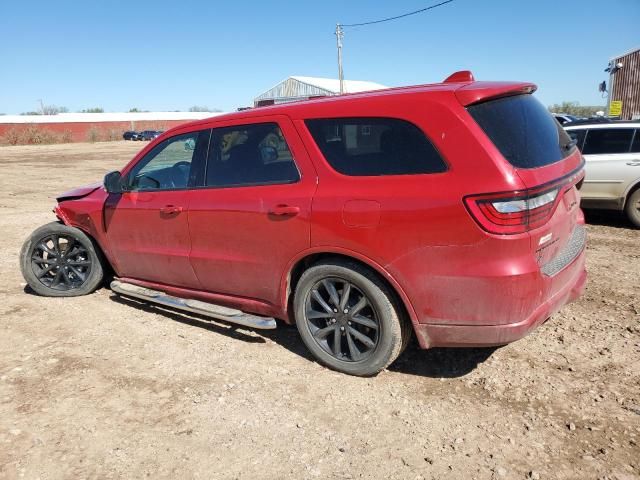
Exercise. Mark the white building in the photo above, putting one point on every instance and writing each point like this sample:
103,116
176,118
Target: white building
302,88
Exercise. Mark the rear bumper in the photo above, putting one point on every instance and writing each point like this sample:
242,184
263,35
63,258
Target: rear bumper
440,335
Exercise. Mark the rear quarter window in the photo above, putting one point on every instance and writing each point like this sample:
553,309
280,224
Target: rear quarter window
523,130
578,137
375,146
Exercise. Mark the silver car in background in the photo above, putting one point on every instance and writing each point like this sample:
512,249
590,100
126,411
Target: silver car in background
612,154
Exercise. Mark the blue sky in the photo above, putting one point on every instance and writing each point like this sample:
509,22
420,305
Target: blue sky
160,55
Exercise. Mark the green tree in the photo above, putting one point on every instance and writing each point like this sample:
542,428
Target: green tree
574,108
93,110
53,109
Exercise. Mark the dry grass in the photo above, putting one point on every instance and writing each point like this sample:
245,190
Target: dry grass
31,135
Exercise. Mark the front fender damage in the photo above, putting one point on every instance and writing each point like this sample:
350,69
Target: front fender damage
78,193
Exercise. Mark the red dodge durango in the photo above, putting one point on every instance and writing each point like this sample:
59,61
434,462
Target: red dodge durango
448,210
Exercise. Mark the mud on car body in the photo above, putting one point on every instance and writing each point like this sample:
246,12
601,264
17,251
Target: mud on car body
448,210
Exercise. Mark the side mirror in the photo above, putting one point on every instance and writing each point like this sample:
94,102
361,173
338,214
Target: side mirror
112,182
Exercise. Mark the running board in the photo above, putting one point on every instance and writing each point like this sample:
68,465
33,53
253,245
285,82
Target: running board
195,306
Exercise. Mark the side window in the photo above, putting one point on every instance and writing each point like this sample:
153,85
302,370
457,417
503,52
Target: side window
375,146
578,136
636,142
168,165
255,154
608,140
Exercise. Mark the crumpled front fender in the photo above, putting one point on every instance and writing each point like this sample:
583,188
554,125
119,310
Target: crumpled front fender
79,192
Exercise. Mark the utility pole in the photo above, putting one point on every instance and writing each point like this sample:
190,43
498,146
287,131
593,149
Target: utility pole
339,37
340,33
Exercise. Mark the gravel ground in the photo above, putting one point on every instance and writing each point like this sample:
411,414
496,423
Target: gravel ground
100,387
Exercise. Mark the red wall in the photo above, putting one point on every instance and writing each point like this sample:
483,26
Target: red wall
77,131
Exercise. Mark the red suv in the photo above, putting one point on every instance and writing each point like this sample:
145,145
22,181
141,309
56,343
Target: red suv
449,210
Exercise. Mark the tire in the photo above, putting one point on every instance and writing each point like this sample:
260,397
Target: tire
61,261
632,208
363,341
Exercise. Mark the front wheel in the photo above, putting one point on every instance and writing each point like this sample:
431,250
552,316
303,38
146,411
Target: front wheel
348,318
60,261
632,208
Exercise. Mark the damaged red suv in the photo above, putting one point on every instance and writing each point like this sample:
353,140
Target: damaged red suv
450,210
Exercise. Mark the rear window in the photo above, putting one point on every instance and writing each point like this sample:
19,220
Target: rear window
523,130
375,146
608,140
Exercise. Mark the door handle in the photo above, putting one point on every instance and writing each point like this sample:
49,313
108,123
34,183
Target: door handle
169,209
284,210
633,164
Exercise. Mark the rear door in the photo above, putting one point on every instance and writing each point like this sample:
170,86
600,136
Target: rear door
252,216
610,163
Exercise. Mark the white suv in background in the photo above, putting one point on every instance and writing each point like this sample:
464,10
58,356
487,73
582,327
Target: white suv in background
612,154
564,118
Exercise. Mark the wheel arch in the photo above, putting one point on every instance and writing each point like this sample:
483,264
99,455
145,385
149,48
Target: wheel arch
63,218
303,261
633,186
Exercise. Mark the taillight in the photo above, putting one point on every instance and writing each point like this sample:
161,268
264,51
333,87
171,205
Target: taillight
509,213
513,212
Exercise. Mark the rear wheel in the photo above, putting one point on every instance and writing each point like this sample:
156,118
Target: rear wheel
632,208
60,261
348,319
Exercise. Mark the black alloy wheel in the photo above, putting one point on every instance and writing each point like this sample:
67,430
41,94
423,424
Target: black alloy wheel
61,262
349,318
342,320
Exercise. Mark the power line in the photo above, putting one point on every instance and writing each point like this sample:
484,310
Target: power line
396,17
340,34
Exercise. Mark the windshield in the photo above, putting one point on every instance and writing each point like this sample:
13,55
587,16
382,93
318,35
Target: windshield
523,130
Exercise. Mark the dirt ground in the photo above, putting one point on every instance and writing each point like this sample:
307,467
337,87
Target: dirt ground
98,387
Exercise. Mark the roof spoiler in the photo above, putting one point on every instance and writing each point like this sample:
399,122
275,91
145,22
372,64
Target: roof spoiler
477,92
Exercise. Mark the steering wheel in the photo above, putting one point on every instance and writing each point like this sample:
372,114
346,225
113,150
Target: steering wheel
180,170
137,178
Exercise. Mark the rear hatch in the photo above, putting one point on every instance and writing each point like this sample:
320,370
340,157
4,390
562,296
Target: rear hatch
550,167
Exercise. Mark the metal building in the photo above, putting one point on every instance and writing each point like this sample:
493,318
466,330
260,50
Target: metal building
81,127
302,88
624,86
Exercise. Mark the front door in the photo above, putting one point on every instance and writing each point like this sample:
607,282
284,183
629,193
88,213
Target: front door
147,225
253,214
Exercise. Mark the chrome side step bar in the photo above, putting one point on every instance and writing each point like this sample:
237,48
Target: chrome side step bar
196,306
